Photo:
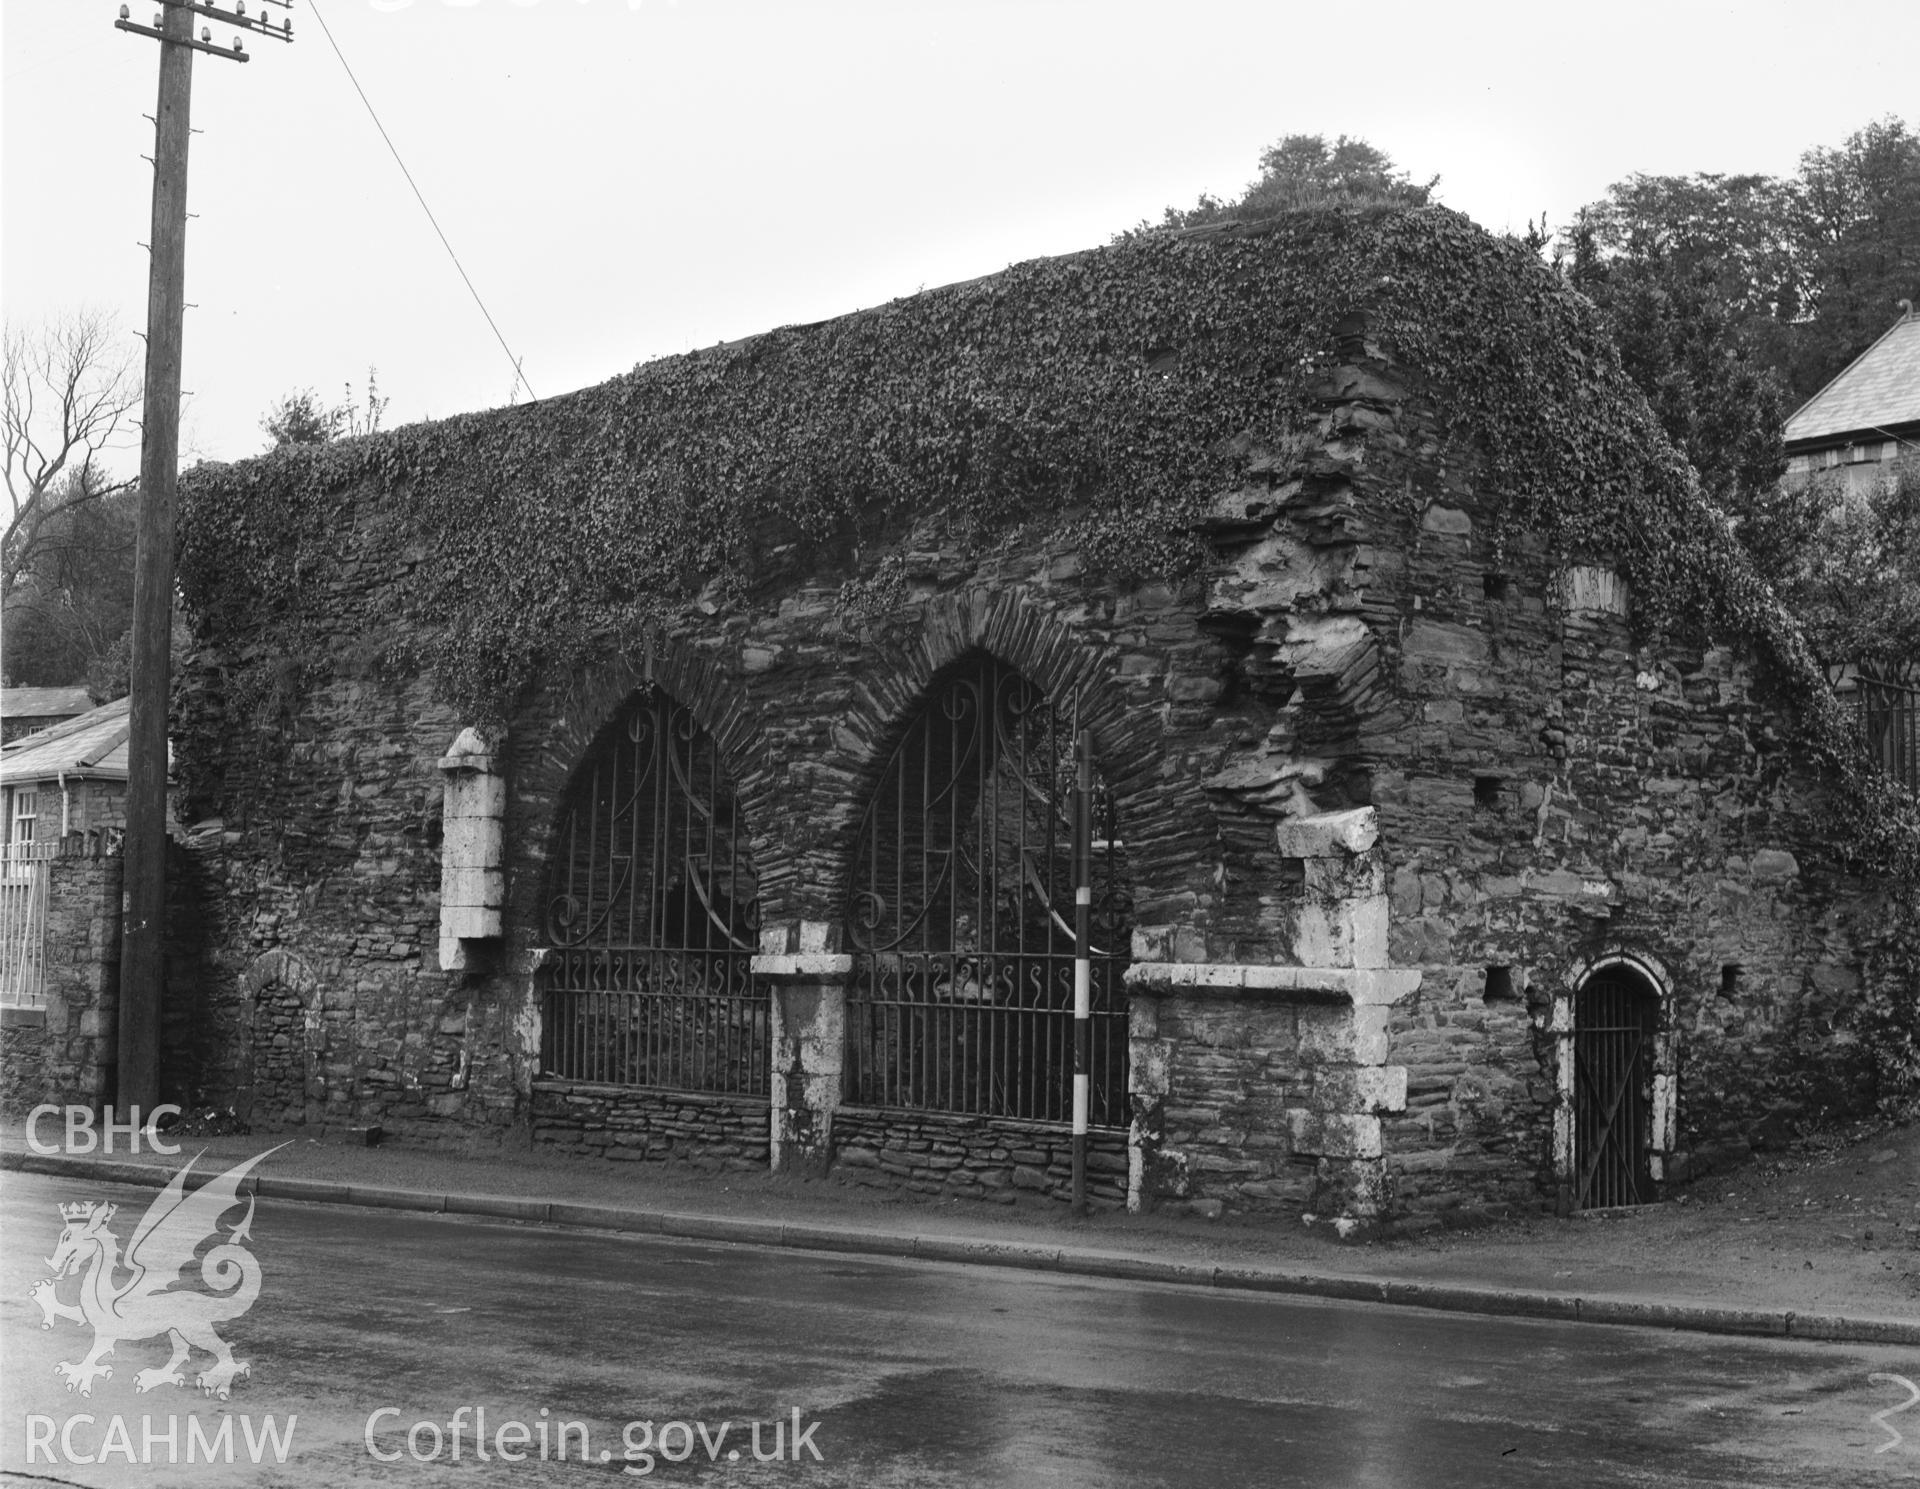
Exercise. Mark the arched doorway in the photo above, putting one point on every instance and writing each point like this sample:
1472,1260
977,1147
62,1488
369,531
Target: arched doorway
281,1084
650,909
1616,1028
961,912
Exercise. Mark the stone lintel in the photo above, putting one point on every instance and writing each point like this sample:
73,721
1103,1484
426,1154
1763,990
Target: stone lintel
1319,836
806,966
1361,986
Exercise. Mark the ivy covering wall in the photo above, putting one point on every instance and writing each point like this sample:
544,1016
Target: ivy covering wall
1102,396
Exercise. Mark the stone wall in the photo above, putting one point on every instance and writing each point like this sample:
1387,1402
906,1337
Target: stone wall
1546,784
1562,789
713,1132
960,1157
65,1050
1233,1070
98,807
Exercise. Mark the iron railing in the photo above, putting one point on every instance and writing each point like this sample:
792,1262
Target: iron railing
650,912
1890,719
670,1019
23,924
961,911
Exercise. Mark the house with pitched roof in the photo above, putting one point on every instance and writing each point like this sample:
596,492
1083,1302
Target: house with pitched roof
29,710
68,779
1867,417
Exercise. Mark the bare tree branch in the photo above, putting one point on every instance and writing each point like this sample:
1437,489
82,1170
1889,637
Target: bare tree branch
70,386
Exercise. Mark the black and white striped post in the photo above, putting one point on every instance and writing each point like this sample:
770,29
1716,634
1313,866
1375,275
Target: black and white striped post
1082,964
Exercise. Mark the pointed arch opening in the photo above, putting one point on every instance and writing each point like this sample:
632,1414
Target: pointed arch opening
649,911
961,911
1615,1050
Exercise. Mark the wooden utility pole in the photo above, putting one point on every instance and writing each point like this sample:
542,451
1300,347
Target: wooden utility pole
143,926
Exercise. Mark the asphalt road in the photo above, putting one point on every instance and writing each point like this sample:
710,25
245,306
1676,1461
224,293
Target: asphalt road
901,1373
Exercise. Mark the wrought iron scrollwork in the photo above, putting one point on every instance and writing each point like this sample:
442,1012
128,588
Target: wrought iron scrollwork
960,912
651,912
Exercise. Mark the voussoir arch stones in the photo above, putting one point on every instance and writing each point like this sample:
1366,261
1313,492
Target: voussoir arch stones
281,968
274,1080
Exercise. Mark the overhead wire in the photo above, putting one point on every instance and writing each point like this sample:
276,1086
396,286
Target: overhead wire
519,377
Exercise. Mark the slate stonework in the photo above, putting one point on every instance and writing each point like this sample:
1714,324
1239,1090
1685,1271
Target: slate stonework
715,1132
1546,787
979,1158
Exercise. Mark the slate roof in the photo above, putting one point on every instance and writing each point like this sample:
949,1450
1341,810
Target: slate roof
43,703
1880,390
90,747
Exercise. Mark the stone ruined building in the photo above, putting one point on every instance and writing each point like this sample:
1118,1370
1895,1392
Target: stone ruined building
1425,878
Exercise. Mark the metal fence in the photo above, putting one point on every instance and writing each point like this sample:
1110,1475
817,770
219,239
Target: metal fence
961,914
23,923
1890,719
982,1034
674,1020
650,916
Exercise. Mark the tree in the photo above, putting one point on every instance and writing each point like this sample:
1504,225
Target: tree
1673,298
69,619
1303,170
1733,299
1858,589
1857,225
69,391
1809,269
66,559
301,419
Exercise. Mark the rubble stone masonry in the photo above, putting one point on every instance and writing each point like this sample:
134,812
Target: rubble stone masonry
1367,1028
63,1049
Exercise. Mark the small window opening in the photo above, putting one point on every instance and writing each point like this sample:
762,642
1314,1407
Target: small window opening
1486,792
1730,980
1499,985
1496,586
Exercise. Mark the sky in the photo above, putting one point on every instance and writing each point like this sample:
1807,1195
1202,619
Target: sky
628,179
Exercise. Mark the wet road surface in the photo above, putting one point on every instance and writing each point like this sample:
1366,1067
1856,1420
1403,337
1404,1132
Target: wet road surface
901,1373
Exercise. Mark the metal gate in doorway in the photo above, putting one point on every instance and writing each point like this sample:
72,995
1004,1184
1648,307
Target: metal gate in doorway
650,911
962,912
1615,1019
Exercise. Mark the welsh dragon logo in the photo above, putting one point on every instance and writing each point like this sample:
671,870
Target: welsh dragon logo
154,1299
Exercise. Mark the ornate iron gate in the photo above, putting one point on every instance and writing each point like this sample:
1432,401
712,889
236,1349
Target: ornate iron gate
961,914
1614,1022
650,914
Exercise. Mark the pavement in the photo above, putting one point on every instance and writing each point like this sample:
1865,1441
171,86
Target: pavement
1820,1242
